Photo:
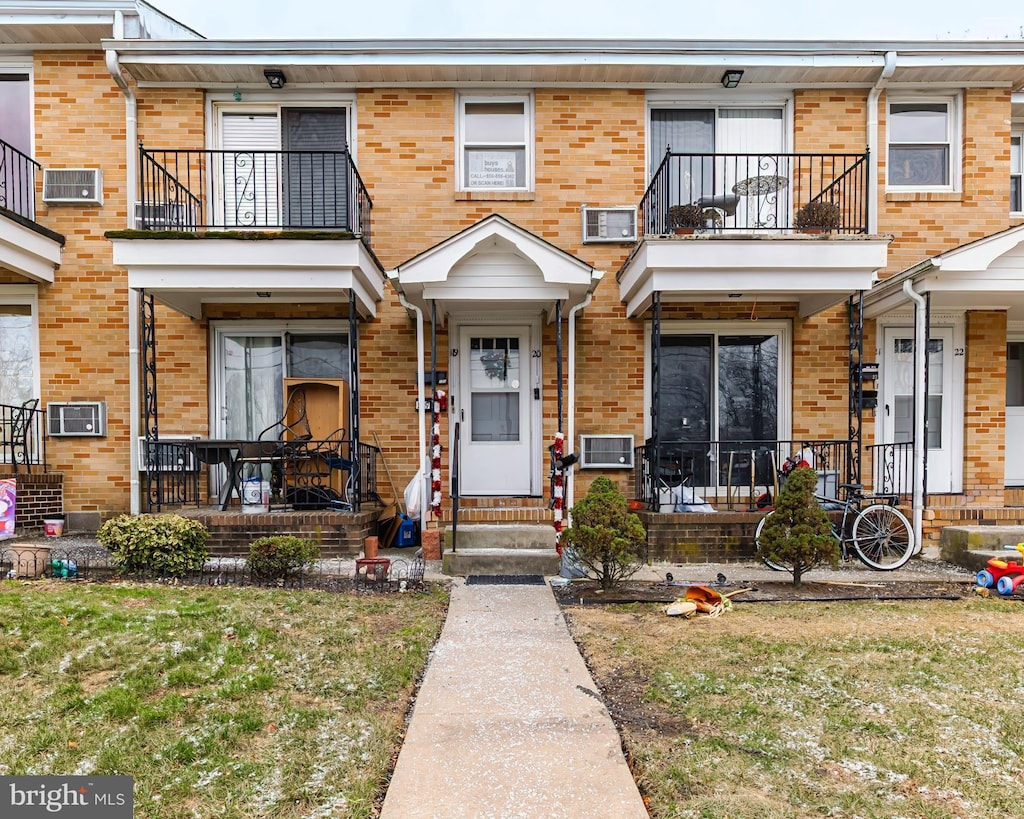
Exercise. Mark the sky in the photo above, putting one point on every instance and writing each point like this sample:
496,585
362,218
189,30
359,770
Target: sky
679,19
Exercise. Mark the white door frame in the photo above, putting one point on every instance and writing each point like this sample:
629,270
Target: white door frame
533,356
1014,470
954,327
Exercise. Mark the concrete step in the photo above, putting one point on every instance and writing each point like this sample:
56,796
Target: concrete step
502,536
476,560
973,546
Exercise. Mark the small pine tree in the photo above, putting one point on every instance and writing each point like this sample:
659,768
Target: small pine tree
798,533
608,539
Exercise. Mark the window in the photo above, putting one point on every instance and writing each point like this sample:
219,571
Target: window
17,185
18,349
496,150
1015,172
255,360
723,384
922,150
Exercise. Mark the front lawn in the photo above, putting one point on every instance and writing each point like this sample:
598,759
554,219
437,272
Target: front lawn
219,701
864,709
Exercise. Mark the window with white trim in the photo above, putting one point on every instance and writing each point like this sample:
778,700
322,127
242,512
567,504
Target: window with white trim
1016,139
495,136
923,153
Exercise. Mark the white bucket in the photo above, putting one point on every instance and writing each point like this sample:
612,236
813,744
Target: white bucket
255,495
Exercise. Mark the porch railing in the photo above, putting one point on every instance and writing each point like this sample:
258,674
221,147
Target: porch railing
22,444
729,475
757,192
17,181
892,468
306,474
252,190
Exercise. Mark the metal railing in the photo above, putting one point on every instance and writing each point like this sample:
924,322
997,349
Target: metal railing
892,468
252,190
22,444
456,458
17,181
299,474
735,475
756,192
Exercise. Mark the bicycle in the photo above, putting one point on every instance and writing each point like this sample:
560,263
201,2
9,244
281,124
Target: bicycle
872,528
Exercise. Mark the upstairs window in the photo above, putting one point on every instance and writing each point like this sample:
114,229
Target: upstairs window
1015,172
495,143
922,148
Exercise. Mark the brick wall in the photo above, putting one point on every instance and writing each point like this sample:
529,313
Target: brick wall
985,408
39,496
700,538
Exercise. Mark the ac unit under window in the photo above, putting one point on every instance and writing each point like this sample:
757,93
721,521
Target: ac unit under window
73,186
80,418
609,224
606,451
162,216
170,458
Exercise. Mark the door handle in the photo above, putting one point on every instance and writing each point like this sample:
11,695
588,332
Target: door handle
887,410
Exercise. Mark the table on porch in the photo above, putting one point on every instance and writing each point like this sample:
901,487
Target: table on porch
226,452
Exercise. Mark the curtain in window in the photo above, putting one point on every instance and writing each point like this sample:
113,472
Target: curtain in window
317,356
17,359
253,372
316,184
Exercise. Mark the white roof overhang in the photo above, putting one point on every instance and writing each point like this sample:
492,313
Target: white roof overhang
815,272
634,63
81,23
185,274
987,274
495,266
28,251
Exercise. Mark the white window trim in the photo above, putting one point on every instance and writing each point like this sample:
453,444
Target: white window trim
955,134
703,100
22,294
530,136
781,327
1017,131
264,102
266,327
17,65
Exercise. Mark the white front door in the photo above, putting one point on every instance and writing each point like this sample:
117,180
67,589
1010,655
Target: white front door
1014,413
492,403
897,404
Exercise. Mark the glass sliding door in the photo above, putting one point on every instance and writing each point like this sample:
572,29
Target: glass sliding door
315,168
253,369
17,354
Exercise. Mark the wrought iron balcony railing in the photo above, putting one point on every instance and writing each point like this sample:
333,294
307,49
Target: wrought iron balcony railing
22,444
252,190
17,181
757,193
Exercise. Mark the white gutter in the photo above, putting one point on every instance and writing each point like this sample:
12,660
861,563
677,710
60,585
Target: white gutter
421,483
569,484
873,95
920,441
131,137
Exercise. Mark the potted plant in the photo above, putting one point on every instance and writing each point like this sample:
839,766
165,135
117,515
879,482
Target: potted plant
818,216
686,218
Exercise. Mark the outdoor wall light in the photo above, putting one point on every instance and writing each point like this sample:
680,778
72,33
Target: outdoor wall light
263,294
276,79
731,78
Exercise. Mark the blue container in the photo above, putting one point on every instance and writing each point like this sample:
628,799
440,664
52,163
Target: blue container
406,533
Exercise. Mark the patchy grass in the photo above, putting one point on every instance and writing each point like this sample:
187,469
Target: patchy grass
220,702
845,710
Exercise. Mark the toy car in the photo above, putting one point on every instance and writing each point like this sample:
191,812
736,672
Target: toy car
1004,575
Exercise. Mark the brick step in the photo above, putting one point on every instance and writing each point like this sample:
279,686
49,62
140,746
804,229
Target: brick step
465,562
973,546
506,514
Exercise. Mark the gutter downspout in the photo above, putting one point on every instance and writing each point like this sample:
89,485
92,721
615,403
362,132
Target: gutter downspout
571,424
420,392
131,128
873,95
919,409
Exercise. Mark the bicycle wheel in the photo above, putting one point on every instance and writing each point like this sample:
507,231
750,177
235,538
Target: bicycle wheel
771,564
882,537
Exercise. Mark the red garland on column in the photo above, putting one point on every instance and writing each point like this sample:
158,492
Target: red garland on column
440,402
558,490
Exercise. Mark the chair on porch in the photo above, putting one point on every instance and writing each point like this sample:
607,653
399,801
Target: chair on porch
281,443
324,476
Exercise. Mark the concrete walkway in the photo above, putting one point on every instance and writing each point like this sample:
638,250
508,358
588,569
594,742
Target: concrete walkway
508,722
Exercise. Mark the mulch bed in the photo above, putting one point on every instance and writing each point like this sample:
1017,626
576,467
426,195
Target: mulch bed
588,592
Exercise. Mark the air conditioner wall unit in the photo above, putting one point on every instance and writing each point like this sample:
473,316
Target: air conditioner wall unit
606,451
616,224
81,419
162,216
80,186
170,458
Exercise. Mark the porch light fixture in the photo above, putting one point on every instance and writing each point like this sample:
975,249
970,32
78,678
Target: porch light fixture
732,77
263,294
276,79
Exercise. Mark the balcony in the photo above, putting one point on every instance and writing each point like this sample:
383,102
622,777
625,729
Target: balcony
17,182
199,190
27,249
762,193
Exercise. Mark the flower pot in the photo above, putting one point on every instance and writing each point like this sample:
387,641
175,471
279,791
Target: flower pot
684,231
370,547
29,561
53,527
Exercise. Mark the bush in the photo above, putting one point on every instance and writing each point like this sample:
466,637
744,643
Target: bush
164,544
819,215
607,538
798,534
281,556
686,216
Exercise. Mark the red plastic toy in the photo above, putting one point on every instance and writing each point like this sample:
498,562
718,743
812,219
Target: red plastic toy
1005,575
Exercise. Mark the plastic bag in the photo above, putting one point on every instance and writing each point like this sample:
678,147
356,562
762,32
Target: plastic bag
413,496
